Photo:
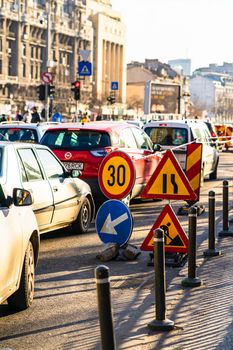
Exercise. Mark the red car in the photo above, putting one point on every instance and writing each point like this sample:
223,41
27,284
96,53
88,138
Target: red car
83,147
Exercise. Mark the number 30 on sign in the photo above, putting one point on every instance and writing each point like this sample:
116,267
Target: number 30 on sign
116,175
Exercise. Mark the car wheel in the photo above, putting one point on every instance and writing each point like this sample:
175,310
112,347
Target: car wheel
82,223
23,297
213,175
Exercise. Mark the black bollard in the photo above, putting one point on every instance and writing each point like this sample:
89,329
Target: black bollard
161,323
104,305
211,251
225,231
192,280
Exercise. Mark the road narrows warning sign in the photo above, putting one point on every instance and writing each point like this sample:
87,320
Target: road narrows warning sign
169,181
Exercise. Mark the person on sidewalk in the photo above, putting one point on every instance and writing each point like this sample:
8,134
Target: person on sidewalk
35,116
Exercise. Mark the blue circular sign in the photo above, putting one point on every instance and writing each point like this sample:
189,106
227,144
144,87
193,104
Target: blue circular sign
114,222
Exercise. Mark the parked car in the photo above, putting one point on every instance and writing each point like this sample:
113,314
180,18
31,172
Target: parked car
25,132
60,198
172,133
83,147
19,243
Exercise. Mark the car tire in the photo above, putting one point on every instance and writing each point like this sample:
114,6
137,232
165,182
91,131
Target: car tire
83,221
23,297
213,175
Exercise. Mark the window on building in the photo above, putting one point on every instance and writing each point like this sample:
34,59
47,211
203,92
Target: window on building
24,70
0,44
0,66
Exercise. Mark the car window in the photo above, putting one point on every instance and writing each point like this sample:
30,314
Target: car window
18,134
199,133
142,139
127,139
52,167
168,136
31,166
76,139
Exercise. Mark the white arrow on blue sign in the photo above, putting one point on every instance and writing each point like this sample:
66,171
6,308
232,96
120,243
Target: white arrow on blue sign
114,222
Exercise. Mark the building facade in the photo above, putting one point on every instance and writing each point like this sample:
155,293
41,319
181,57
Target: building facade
212,92
37,36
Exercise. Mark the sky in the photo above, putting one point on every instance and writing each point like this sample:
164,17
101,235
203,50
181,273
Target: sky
200,30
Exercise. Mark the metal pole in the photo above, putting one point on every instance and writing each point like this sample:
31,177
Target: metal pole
104,305
225,231
161,323
192,280
48,49
211,251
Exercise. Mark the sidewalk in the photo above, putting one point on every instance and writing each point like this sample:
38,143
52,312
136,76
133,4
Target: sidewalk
203,315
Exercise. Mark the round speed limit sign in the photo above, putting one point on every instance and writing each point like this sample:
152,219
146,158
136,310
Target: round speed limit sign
116,175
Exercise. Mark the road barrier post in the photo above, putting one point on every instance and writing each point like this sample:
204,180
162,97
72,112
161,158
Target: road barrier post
211,251
104,306
161,323
225,231
192,280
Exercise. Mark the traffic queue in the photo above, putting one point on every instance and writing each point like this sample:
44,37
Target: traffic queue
91,172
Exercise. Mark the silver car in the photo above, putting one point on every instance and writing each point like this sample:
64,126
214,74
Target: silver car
60,199
19,244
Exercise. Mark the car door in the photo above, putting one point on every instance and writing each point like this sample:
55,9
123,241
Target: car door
10,249
34,180
129,145
149,159
207,151
64,189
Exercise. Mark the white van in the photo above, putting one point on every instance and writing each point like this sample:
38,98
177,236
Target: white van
172,134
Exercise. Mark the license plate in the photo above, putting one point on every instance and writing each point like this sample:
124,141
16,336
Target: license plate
73,165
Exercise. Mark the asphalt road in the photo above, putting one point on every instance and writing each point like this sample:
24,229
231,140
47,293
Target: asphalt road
64,314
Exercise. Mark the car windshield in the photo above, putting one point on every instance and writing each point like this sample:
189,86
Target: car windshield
18,134
167,136
76,139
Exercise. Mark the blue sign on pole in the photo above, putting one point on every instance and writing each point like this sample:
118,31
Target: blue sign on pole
114,222
114,85
84,68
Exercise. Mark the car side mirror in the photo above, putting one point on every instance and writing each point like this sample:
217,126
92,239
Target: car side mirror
157,147
22,197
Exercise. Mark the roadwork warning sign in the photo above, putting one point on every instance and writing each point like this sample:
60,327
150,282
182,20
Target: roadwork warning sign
169,181
176,240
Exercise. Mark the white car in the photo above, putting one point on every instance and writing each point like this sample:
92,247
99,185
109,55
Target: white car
174,134
19,247
60,199
24,132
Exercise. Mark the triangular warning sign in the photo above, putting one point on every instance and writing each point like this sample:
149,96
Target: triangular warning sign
175,237
84,70
169,181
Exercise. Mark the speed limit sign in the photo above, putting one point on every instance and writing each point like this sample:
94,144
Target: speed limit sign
116,175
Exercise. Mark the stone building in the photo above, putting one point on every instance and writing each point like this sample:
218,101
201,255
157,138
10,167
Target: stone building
38,36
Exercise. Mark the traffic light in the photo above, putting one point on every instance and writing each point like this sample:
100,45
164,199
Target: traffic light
41,92
112,97
76,89
51,90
